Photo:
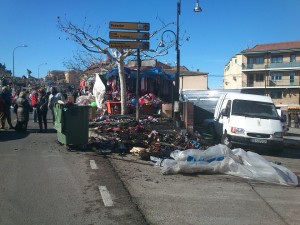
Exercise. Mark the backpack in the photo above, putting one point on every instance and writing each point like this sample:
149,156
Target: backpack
34,99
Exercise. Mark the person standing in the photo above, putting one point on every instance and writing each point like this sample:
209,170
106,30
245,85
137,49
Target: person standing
1,106
296,120
34,99
42,109
54,97
23,108
76,94
7,98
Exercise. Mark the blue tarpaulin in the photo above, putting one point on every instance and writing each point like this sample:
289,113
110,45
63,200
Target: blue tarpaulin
148,73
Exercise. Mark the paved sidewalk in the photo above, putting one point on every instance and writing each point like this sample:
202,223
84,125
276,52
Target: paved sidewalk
292,139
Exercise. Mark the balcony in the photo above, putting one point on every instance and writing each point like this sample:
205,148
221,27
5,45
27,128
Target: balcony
272,83
271,66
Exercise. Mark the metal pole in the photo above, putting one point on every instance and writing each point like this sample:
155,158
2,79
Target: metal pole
176,112
13,73
39,69
137,86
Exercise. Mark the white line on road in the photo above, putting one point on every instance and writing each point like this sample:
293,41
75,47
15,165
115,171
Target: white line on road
105,196
93,165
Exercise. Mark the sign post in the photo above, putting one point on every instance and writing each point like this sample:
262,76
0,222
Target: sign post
138,44
129,26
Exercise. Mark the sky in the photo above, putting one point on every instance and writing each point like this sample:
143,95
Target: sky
221,30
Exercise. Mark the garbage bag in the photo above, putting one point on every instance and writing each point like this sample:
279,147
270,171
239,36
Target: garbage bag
99,91
256,167
219,159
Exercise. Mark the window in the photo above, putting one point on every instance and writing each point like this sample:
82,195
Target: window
277,59
276,76
259,77
276,94
259,60
247,108
256,60
292,58
292,77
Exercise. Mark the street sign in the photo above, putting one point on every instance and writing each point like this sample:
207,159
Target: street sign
129,35
129,44
129,26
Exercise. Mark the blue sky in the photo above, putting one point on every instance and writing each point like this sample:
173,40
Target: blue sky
222,29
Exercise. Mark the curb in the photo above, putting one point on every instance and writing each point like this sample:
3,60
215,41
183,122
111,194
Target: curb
291,144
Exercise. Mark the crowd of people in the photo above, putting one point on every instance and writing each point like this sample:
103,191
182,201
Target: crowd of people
23,102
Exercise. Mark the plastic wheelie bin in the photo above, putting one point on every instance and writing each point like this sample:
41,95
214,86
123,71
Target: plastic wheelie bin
72,124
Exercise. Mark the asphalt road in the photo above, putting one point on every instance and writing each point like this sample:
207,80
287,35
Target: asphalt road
43,183
213,199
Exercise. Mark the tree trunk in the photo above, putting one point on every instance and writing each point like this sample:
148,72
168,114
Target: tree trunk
123,93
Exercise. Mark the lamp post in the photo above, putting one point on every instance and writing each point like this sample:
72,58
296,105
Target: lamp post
14,57
175,93
39,69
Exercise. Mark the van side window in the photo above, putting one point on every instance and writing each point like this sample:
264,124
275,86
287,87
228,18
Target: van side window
227,109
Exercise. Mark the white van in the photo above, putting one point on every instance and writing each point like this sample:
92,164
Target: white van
248,121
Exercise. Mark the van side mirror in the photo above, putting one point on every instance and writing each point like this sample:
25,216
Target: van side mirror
283,119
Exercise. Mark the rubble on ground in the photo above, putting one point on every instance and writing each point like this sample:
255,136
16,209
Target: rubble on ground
148,137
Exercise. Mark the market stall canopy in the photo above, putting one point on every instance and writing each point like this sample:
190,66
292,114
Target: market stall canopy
151,73
115,72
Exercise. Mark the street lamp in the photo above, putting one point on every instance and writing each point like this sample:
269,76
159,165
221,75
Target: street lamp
39,69
14,57
175,101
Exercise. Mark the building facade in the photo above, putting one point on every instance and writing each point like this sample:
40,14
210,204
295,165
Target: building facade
233,75
268,69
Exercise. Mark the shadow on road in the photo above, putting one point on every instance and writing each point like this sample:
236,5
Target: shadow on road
9,135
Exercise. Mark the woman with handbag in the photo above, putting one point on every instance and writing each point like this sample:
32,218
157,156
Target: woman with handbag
23,108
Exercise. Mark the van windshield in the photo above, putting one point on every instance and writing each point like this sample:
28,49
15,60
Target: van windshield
255,109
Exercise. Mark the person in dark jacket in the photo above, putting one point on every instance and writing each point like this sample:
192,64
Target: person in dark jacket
1,106
23,108
6,96
42,109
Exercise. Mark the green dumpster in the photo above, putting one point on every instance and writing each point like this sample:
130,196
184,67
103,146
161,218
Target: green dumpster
72,124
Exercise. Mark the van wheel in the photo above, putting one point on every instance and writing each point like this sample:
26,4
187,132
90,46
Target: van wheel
225,140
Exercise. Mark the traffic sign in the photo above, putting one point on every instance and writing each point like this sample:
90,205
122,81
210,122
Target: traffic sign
129,35
129,44
129,26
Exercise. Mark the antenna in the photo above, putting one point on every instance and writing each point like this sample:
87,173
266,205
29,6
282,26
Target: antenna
249,41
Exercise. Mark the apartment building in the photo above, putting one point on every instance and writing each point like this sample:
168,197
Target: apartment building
269,69
233,75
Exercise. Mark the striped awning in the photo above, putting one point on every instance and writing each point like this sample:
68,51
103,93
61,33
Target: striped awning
294,107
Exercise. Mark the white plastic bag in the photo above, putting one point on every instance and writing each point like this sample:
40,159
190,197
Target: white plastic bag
99,91
255,167
220,159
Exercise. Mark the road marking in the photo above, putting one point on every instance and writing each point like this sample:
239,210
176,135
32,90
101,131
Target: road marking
105,196
93,165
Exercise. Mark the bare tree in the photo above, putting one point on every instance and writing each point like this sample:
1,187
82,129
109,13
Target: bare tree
93,44
82,60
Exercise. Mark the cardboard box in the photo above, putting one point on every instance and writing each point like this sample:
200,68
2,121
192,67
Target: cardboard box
92,113
166,110
148,110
